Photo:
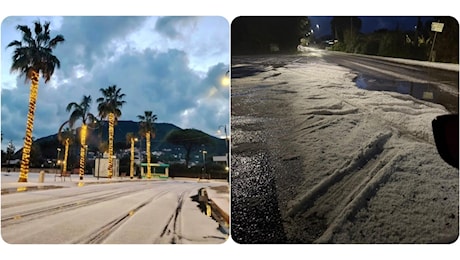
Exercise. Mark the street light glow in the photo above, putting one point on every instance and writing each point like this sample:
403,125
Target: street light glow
225,81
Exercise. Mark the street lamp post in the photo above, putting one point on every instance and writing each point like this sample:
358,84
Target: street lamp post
86,157
98,163
57,157
140,158
204,162
131,168
226,144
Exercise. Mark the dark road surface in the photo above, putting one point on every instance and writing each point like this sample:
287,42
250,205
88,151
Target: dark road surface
415,80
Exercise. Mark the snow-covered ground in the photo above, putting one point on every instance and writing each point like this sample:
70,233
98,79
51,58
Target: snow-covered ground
352,165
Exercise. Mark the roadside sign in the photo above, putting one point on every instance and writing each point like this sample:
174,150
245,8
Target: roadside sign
437,27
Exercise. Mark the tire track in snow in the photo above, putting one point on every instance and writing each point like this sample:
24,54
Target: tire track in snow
363,193
172,231
28,215
99,235
341,194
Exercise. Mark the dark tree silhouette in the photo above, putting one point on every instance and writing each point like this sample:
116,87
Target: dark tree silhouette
256,34
341,25
190,139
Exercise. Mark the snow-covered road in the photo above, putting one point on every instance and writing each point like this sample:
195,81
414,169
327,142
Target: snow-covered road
349,165
137,212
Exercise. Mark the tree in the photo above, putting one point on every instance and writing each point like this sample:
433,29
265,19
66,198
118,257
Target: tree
147,129
81,112
341,25
256,34
10,149
36,154
190,139
109,107
131,139
33,55
66,137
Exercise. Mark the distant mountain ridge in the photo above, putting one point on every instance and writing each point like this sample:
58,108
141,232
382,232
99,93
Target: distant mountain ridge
49,144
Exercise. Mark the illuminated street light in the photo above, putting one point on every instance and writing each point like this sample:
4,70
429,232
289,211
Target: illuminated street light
226,144
225,81
204,161
58,153
57,158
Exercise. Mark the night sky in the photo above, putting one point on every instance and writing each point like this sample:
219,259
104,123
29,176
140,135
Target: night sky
370,23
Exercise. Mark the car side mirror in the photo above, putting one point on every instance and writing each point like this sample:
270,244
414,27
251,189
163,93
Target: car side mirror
445,132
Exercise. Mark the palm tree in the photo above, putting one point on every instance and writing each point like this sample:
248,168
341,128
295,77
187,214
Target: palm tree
81,111
33,54
109,107
131,138
66,137
147,129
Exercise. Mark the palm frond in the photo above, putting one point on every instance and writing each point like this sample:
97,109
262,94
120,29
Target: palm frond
35,52
110,102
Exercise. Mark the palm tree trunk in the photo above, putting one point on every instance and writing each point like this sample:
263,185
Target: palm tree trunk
66,154
131,166
147,139
82,150
110,162
24,172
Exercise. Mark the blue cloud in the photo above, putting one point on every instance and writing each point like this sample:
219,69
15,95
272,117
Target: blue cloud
153,78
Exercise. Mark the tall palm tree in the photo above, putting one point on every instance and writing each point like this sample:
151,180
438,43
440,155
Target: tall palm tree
33,55
81,112
109,107
147,129
66,137
131,138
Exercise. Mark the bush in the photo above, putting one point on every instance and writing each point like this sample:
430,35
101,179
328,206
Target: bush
339,46
214,171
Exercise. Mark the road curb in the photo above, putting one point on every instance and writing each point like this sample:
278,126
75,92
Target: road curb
216,211
220,212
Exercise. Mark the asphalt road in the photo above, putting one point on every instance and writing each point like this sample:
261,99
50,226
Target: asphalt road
158,212
263,167
413,78
373,73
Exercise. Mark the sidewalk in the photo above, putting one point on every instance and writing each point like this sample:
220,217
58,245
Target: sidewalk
9,181
218,195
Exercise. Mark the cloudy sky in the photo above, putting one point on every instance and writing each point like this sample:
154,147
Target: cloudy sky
170,65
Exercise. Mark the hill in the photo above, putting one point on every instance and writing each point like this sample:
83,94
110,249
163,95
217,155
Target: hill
46,147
